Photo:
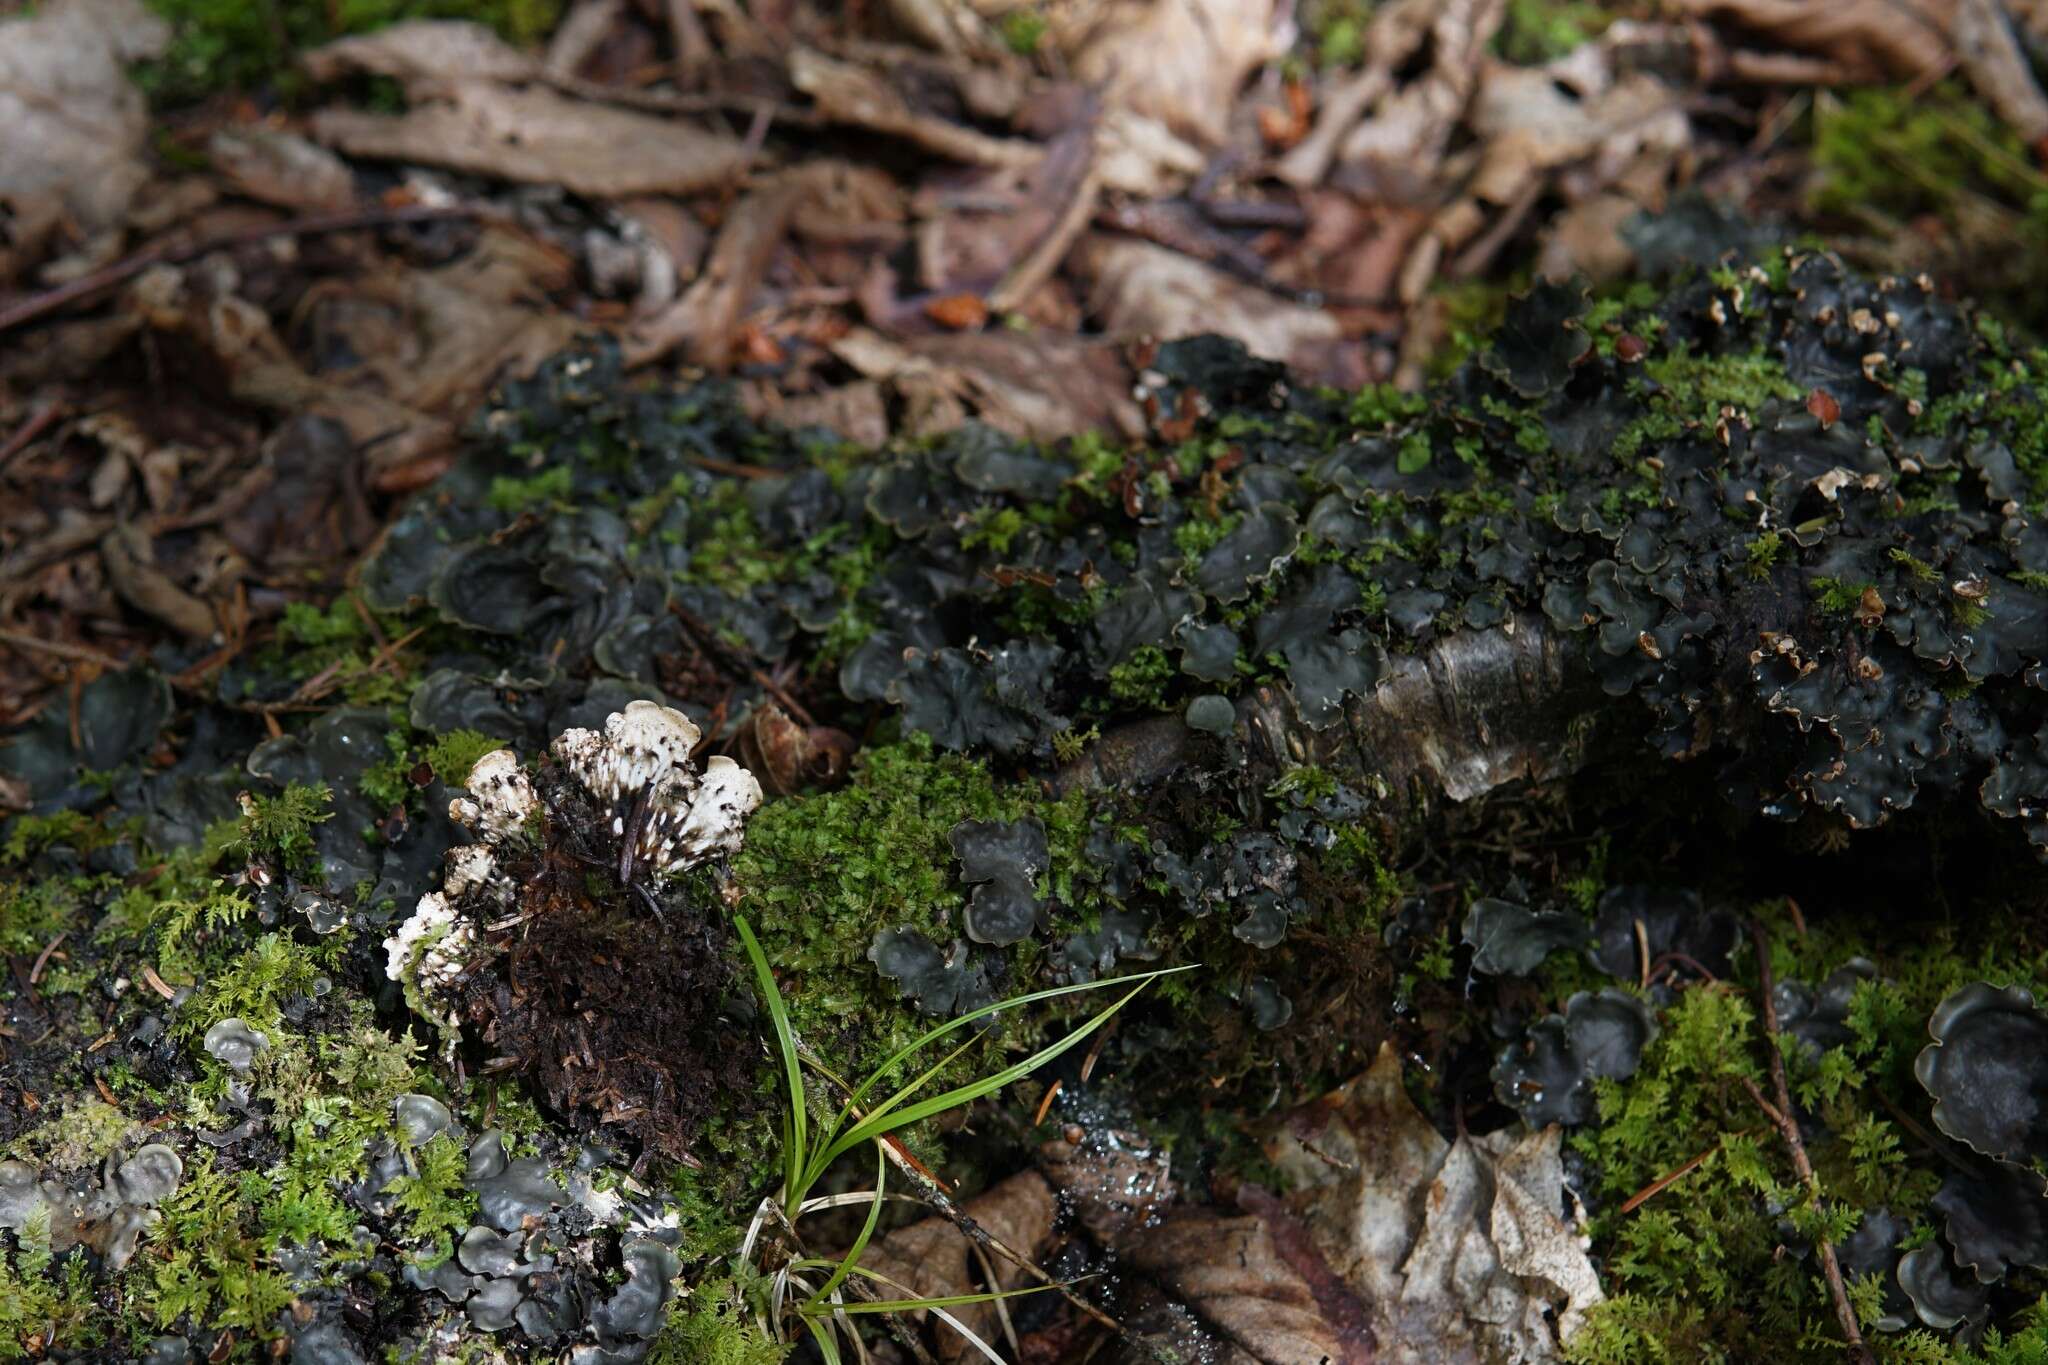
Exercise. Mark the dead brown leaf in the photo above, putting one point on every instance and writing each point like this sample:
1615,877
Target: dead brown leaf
1137,289
1177,61
280,168
1228,1273
424,55
849,93
1868,40
933,1258
1459,1250
75,124
856,411
1990,56
539,137
1036,385
132,570
705,320
1395,153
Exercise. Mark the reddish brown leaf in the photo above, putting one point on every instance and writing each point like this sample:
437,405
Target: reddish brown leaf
960,312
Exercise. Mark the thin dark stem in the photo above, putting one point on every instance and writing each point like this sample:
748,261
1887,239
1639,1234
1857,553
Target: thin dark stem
64,295
26,433
1784,1118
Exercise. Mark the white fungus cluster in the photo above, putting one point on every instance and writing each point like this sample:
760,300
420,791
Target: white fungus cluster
673,816
500,796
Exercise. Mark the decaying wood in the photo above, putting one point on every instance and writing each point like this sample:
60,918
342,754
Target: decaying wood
1466,715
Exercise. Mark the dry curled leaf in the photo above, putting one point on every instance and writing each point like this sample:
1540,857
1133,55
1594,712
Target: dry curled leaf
1460,1250
75,125
539,137
933,1258
1178,61
1138,289
789,757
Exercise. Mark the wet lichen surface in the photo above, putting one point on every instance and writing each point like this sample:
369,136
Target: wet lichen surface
1503,721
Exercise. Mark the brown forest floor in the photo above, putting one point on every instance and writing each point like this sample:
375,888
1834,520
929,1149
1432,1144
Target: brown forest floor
886,217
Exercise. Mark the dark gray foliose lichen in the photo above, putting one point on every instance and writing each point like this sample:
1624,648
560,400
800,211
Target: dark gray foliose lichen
1677,931
1987,1071
1547,1075
1795,512
1512,940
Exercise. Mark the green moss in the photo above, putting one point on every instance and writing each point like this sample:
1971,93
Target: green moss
822,873
1533,32
280,828
1141,680
207,1263
82,1135
1023,29
389,783
1835,596
254,985
432,1200
1379,406
549,488
220,45
454,754
45,1301
33,913
1763,551
29,835
712,1326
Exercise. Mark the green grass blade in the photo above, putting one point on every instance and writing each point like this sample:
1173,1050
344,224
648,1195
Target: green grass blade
918,1305
797,1138
952,1025
860,1243
828,1347
887,1119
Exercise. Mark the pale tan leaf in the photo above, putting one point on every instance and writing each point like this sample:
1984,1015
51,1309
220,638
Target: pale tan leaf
74,123
536,136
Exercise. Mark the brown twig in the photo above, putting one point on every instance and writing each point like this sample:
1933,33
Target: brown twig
25,434
1666,1181
35,973
1787,1123
170,253
78,654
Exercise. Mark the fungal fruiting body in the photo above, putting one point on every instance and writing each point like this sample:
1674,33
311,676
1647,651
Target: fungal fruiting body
665,818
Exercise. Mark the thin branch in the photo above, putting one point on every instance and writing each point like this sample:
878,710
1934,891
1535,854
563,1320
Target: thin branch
1787,1124
169,252
25,435
1666,1181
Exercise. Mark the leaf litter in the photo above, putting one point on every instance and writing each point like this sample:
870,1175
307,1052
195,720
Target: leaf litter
901,230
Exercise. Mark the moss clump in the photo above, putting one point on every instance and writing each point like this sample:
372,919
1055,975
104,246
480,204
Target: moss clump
822,873
712,1326
210,1266
43,1300
224,45
1700,1271
84,1133
279,828
1537,31
454,754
